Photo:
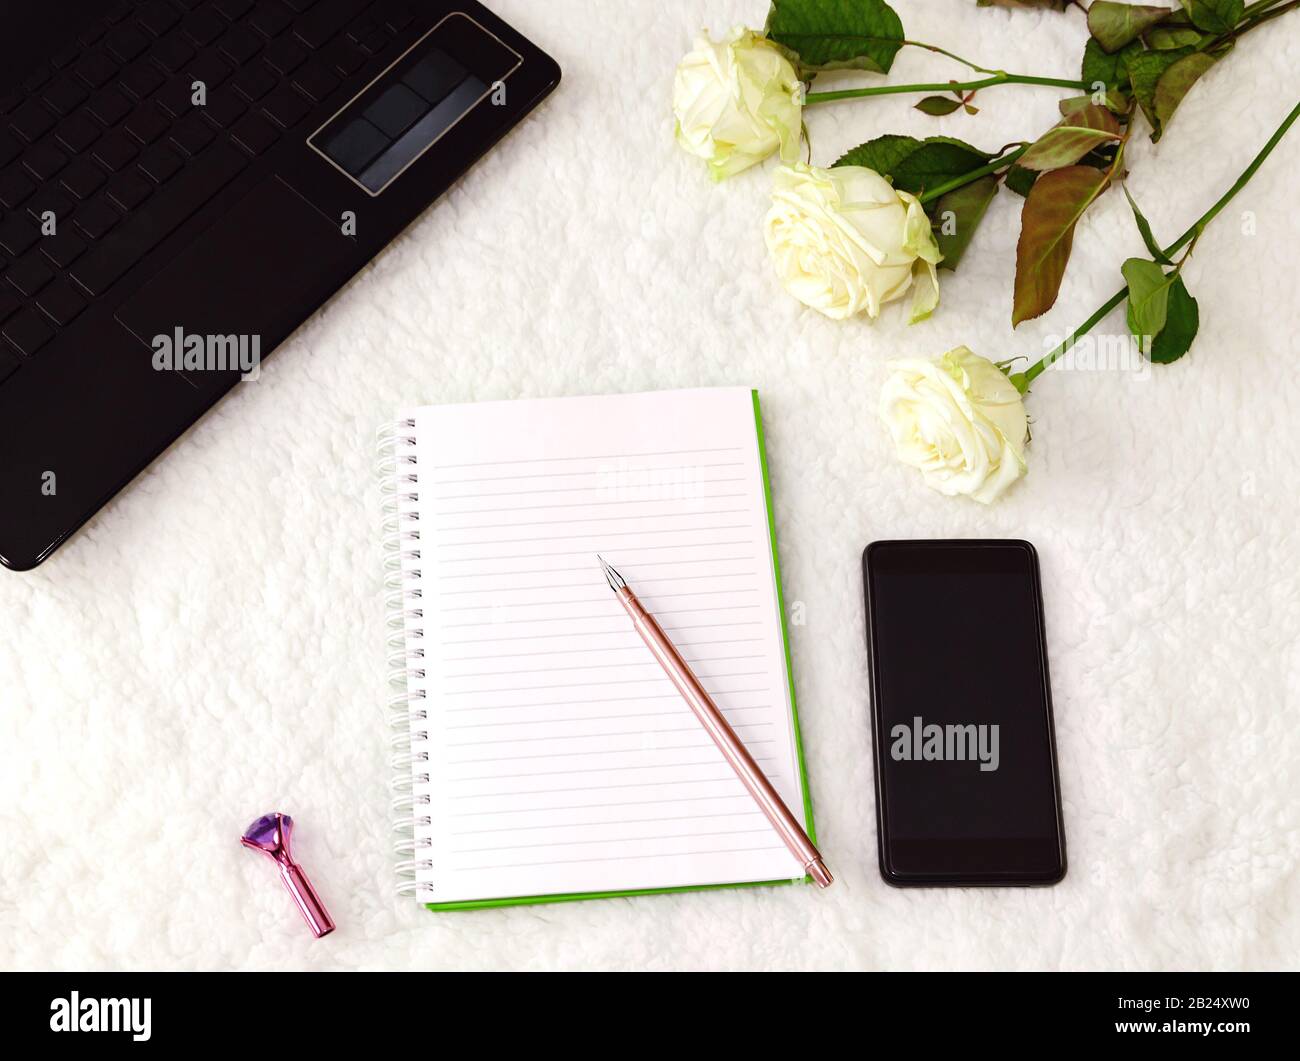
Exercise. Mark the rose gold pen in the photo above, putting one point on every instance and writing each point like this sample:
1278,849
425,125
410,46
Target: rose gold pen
699,701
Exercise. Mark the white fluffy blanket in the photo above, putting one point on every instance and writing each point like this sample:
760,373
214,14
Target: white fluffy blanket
211,646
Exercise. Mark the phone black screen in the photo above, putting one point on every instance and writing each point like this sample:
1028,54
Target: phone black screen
966,777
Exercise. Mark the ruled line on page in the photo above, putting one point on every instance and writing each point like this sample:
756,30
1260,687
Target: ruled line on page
693,728
599,700
589,457
581,504
729,777
607,858
598,718
705,743
595,471
598,770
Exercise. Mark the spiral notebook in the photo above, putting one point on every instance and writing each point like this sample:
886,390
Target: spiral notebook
541,754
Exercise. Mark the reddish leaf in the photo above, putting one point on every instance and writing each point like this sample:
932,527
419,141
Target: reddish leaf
1072,138
1052,209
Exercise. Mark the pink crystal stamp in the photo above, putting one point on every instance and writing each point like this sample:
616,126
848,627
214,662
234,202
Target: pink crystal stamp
270,835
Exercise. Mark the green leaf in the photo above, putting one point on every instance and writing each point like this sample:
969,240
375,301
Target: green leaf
1175,83
939,158
1145,70
914,165
958,215
1148,298
1214,16
1072,138
1114,25
1144,227
1113,102
1099,68
1020,180
938,106
836,34
1183,320
1163,38
1052,5
1052,209
882,154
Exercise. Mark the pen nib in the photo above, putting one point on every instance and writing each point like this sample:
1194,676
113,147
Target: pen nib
614,579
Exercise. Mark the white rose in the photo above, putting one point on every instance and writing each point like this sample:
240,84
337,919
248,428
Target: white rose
737,101
959,421
844,240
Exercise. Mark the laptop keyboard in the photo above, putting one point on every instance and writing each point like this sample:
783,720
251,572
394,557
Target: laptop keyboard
105,139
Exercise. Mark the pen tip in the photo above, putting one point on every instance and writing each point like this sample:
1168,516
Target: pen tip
614,579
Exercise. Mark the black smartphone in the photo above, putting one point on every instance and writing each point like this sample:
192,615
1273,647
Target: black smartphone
967,789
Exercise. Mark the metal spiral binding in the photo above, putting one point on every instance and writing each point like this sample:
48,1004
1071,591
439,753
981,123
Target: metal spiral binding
399,483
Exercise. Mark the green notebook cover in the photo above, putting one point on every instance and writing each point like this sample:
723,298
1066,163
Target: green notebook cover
525,900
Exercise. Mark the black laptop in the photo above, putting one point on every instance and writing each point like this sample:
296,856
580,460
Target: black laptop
183,183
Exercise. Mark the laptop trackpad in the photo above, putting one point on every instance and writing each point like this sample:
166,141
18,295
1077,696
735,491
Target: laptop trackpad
245,284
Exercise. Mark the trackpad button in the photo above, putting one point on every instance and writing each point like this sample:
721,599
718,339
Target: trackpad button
241,286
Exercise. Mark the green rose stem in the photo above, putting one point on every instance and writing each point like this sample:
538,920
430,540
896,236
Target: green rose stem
973,175
999,78
1022,380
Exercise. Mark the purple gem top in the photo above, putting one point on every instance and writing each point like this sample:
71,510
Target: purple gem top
263,831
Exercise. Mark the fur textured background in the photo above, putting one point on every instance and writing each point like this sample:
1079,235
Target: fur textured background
211,646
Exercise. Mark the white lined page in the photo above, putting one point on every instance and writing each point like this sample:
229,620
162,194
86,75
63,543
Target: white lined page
561,759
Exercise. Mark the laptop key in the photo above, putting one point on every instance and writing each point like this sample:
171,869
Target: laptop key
177,96
109,106
77,133
225,107
63,248
254,82
192,134
96,217
61,302
159,163
255,134
49,201
317,27
158,17
270,20
211,69
15,188
240,44
96,69
30,275
148,226
65,95
31,121
316,80
45,161
8,365
83,178
9,149
286,107
9,304
234,9
204,27
115,150
147,124
125,43
284,56
172,53
129,190
141,79
27,331
344,57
